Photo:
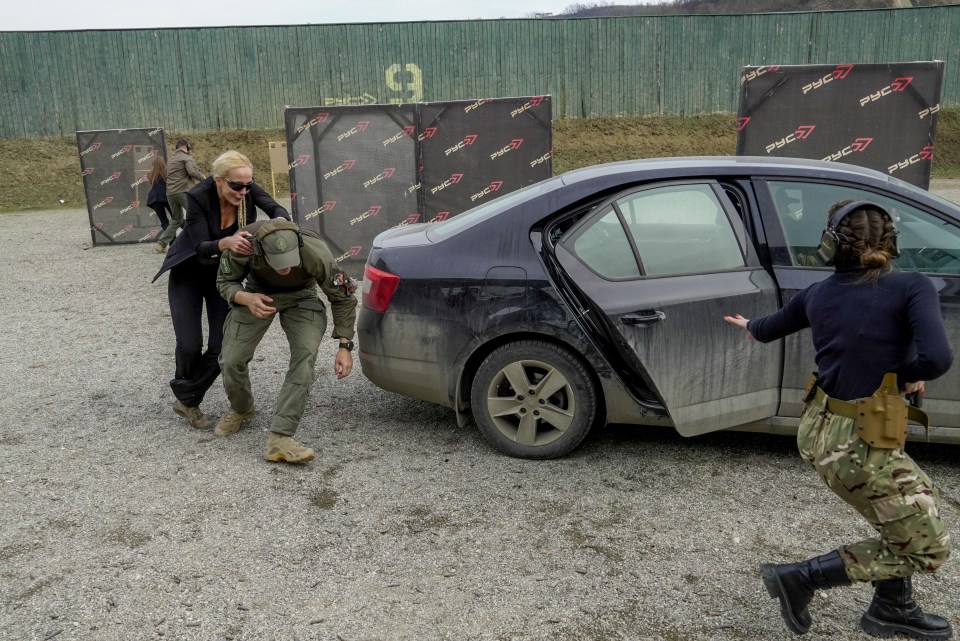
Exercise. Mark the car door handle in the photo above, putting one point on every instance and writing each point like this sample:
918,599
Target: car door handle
643,318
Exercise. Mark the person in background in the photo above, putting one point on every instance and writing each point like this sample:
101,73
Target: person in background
157,199
182,174
878,333
216,210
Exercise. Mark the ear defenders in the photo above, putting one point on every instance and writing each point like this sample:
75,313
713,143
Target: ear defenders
831,240
268,228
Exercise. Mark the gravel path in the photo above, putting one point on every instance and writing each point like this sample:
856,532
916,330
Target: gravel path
120,522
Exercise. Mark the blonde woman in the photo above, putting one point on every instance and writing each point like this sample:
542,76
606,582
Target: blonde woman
217,208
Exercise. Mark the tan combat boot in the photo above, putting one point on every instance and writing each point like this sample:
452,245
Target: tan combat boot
194,416
284,448
160,248
231,422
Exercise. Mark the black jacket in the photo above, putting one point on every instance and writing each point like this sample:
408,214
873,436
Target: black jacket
201,228
158,192
862,330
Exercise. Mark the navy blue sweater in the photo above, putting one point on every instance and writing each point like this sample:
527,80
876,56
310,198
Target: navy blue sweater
863,330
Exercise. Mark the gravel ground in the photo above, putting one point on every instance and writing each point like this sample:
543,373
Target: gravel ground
120,522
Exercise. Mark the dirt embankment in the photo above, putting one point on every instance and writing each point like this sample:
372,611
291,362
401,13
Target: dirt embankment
40,173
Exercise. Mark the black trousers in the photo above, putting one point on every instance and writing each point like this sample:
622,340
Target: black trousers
161,209
192,287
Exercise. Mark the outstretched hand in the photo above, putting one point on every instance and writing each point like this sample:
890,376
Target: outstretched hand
739,321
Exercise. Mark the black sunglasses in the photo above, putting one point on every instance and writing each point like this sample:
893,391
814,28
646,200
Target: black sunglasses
238,186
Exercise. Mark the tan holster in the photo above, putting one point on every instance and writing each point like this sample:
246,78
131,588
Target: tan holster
882,417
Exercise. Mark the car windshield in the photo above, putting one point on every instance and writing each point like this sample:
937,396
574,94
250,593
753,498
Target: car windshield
438,231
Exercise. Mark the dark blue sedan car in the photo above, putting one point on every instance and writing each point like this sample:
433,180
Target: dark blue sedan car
598,296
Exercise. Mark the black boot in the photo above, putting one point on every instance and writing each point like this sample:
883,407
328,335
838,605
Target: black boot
893,610
795,583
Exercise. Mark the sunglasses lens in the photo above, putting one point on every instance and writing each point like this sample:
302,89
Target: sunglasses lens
239,186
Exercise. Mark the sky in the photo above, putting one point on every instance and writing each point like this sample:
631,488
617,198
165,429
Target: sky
60,15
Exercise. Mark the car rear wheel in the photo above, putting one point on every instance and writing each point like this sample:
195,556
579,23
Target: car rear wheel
533,399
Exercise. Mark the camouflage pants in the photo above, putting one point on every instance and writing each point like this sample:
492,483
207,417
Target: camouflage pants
887,488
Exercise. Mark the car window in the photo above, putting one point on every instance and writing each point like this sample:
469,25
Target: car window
927,243
680,229
603,246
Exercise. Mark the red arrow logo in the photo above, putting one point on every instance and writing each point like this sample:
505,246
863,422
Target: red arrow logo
900,83
841,71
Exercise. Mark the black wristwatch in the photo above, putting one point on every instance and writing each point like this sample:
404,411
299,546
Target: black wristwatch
347,346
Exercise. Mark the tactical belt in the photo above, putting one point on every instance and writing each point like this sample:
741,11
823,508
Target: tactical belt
881,418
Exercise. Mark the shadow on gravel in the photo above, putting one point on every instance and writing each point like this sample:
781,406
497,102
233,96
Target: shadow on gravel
736,445
733,445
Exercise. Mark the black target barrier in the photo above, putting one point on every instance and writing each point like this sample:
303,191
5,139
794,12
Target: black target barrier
881,116
356,171
114,164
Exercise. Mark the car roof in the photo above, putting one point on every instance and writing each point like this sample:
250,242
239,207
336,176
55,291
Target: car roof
570,187
727,165
681,167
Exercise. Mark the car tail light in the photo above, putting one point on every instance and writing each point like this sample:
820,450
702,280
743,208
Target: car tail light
378,288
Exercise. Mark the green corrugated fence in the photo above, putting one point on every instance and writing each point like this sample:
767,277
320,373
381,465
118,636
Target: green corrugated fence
54,83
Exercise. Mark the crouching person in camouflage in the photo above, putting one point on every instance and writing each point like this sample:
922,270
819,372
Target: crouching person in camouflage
281,279
878,333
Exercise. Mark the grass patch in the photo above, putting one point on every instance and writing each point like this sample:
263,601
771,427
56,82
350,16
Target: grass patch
39,172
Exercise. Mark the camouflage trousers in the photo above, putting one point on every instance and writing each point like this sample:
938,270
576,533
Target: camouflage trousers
887,488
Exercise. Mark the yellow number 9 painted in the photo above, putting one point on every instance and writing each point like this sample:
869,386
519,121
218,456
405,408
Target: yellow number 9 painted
407,81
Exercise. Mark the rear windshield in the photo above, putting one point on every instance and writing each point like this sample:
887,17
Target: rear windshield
438,231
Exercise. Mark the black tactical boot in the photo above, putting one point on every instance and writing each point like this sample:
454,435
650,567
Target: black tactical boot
893,610
795,583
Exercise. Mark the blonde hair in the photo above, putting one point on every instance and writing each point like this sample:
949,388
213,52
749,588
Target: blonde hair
226,162
230,160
